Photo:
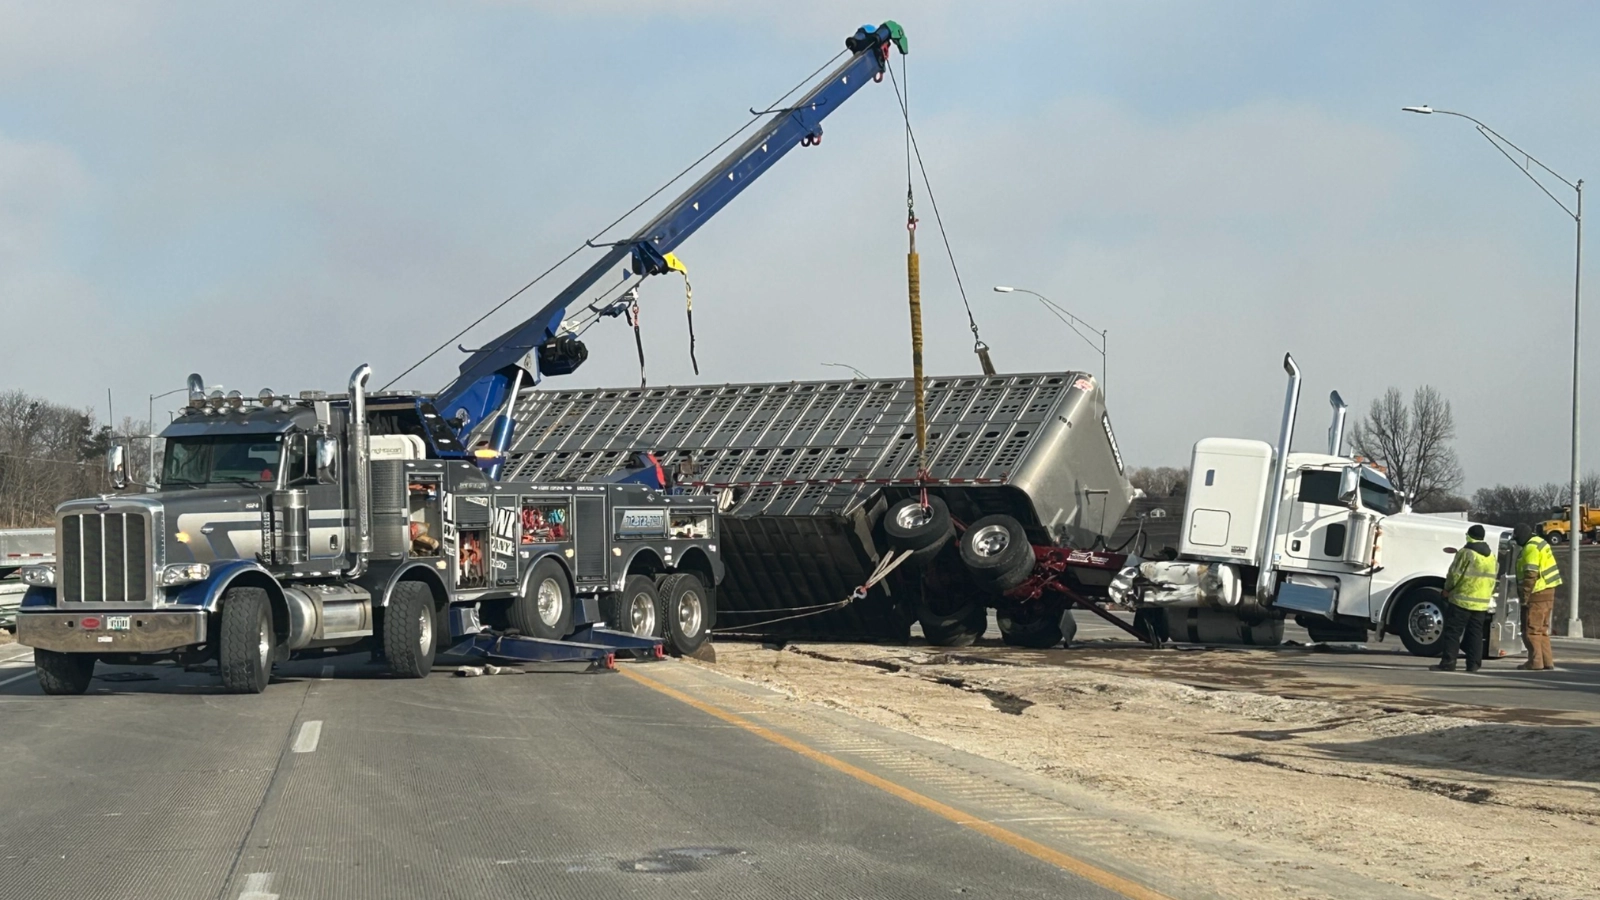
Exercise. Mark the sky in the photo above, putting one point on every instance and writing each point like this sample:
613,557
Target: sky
272,194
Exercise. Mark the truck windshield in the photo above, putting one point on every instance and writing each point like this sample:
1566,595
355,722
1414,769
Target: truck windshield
222,459
1378,495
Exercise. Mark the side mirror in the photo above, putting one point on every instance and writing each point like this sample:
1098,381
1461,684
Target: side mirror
117,466
1349,485
327,460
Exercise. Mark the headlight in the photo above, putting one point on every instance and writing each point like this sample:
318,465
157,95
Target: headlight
39,576
184,573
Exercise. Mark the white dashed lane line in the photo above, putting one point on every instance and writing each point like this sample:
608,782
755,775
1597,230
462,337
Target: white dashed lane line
257,885
306,740
27,674
327,672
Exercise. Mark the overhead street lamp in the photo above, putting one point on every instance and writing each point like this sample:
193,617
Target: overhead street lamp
1575,536
1076,324
150,427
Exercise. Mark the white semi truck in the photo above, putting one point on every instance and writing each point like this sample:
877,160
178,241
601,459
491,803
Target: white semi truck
1325,538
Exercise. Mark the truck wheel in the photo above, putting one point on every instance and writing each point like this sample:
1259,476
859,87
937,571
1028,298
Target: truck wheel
634,610
244,645
1419,620
1553,537
63,673
544,608
686,611
996,551
952,620
1033,625
924,531
410,630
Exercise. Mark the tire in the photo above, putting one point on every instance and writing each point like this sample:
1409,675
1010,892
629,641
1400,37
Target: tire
63,673
244,641
636,609
1419,620
952,620
1036,626
996,551
686,611
543,609
410,631
1553,538
925,532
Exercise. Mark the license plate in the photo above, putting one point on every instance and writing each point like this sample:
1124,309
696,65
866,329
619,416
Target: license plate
118,623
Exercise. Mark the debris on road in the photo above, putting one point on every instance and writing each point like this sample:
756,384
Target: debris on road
1444,805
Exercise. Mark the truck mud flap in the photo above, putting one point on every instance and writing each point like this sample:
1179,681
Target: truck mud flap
779,565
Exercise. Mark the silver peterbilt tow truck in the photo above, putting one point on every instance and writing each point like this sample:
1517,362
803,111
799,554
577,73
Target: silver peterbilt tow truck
286,527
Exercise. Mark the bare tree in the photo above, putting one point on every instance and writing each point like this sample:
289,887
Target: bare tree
1160,481
1412,443
44,458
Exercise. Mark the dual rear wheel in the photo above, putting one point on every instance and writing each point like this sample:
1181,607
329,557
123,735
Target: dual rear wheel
676,608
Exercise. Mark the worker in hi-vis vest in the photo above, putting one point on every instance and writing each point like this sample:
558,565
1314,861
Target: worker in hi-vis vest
1468,591
1538,578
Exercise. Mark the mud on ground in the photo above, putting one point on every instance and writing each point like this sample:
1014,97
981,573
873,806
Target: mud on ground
1448,801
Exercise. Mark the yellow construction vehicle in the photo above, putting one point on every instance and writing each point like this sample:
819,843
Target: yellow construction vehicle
1557,529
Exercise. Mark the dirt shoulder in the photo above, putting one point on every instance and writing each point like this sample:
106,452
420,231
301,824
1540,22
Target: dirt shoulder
1447,805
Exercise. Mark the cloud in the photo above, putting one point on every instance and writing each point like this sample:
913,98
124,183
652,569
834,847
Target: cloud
272,197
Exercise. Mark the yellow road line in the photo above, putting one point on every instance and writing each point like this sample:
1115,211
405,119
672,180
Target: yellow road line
1033,848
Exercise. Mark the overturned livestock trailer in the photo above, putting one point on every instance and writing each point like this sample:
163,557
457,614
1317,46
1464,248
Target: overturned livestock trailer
818,480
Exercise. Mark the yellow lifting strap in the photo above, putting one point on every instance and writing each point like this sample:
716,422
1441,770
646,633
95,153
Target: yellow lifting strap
914,287
676,265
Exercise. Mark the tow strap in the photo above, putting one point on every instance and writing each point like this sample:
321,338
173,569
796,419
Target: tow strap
647,260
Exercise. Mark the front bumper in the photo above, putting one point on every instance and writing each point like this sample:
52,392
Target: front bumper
147,632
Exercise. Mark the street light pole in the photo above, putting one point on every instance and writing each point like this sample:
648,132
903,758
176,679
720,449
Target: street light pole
1575,520
150,436
1072,322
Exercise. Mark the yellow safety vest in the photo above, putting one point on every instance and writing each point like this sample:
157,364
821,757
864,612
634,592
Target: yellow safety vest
1470,582
1539,562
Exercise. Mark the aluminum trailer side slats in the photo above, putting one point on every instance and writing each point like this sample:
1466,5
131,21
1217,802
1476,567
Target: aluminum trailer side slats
813,457
798,431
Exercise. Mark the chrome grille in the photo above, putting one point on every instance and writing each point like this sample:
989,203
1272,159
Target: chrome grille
105,557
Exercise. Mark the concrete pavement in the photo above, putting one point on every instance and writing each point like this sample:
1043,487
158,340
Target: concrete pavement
348,784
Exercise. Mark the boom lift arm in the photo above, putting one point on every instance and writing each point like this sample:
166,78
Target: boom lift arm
488,378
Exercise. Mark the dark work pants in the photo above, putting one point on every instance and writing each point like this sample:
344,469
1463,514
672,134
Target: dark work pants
1462,625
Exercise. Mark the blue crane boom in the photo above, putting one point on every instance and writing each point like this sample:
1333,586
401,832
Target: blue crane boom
489,378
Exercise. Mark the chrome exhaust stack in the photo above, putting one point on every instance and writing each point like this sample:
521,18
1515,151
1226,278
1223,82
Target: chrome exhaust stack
1336,430
361,459
1265,583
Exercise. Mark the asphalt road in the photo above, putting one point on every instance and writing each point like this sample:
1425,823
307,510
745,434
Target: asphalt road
1376,670
343,783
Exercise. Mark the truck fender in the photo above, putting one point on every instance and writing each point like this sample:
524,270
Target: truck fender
207,594
414,571
707,565
522,582
644,561
1398,591
38,597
